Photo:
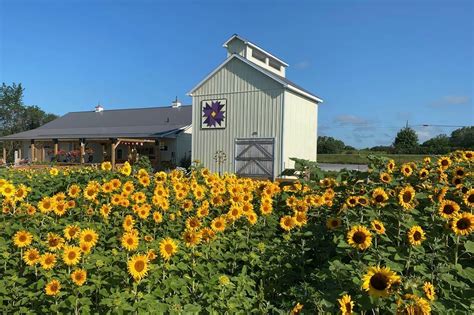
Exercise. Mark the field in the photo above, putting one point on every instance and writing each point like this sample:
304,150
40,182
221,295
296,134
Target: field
397,239
362,158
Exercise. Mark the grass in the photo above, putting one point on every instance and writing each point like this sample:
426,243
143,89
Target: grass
361,158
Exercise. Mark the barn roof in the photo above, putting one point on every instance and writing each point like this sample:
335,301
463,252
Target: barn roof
152,122
284,81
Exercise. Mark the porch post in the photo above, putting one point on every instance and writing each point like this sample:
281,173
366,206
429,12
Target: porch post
43,154
56,147
83,144
32,151
112,153
4,152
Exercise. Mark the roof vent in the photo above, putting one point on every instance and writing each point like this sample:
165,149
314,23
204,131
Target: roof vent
176,103
99,109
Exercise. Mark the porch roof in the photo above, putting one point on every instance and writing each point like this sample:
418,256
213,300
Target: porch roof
146,123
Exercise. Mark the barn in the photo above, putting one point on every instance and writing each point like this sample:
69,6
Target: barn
248,118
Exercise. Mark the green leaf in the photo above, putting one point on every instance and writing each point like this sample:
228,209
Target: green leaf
469,246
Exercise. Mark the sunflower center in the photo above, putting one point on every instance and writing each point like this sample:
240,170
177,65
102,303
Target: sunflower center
359,237
88,238
417,236
22,238
53,242
129,241
379,281
169,248
379,198
71,255
407,196
54,287
444,162
334,223
139,265
348,308
470,199
352,201
463,224
448,209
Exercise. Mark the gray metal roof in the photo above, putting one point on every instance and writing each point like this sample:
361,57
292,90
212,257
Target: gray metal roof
118,123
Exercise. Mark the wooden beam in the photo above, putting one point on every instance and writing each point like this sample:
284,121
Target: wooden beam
83,145
32,151
4,153
56,147
112,154
135,140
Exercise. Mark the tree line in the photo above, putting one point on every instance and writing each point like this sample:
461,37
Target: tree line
16,117
406,142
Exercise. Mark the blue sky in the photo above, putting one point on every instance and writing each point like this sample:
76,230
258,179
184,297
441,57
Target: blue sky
376,64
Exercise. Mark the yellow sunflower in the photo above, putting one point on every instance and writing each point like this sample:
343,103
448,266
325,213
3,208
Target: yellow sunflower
406,196
89,236
333,223
53,288
207,234
300,218
296,310
411,304
128,223
53,171
423,173
378,281
193,223
157,217
71,255
252,217
390,166
71,232
85,247
168,248
406,169
31,256
138,266
287,222
191,238
346,305
359,237
444,162
416,235
130,240
385,177
469,198
448,209
218,224
378,227
22,239
351,201
379,196
106,166
8,190
47,261
463,223
429,290
54,241
79,277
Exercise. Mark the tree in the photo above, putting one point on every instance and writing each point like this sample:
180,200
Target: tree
15,116
437,145
463,138
406,141
329,145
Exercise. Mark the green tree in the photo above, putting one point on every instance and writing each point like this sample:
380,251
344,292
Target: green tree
437,145
329,145
406,141
463,138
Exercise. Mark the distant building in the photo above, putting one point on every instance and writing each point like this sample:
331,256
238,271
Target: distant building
248,109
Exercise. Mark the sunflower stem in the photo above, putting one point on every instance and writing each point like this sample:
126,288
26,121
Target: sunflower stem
456,251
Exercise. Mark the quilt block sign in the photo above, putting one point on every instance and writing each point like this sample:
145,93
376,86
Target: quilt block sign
213,114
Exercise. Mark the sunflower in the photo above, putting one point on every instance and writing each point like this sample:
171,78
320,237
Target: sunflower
8,190
22,239
469,198
128,223
71,255
193,223
218,224
89,236
130,240
411,304
351,201
379,196
53,171
54,241
390,166
46,205
300,218
151,255
52,288
448,208
463,224
47,261
333,223
416,235
457,180
294,311
106,166
385,177
378,227
406,196
31,256
346,305
126,169
406,169
378,281
71,232
79,277
191,238
85,247
287,222
157,217
252,217
444,162
168,248
138,266
359,237
429,290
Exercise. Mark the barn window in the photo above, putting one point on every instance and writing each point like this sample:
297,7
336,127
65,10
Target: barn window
258,55
275,65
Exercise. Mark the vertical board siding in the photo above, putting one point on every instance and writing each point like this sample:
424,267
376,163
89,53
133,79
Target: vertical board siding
253,105
300,129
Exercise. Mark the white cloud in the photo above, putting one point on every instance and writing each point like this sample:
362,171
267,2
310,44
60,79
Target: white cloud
452,100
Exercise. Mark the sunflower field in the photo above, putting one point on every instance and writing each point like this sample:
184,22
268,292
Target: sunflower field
395,239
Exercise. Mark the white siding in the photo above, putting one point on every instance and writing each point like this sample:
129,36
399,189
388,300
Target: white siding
254,104
300,129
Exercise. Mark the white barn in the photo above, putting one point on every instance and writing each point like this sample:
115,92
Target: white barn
249,110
